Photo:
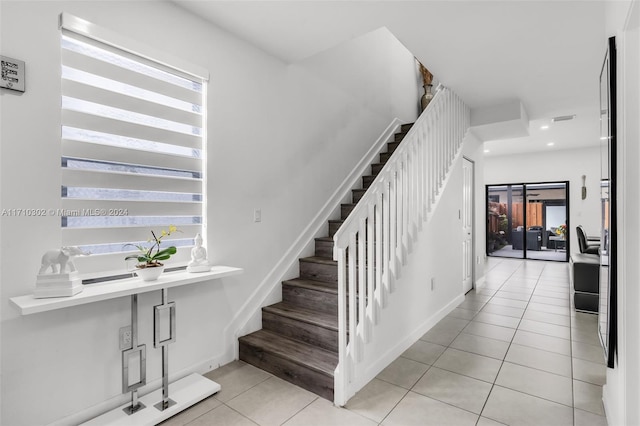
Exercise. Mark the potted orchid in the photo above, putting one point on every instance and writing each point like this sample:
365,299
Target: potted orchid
149,258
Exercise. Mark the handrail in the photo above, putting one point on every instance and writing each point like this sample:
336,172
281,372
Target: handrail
373,242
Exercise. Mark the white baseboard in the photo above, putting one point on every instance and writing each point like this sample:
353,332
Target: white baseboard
480,283
394,352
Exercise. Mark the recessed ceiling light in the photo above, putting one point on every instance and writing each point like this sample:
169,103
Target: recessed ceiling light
486,150
545,127
550,144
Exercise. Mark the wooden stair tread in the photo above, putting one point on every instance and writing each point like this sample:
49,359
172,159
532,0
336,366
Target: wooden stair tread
312,357
323,286
320,319
318,259
326,239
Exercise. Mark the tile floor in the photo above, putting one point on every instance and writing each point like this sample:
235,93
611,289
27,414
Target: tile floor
514,352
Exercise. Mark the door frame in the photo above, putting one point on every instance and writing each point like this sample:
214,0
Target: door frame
473,219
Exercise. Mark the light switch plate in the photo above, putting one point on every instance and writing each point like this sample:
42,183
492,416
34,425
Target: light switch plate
12,74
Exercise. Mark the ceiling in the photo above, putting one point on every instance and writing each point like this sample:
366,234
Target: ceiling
546,54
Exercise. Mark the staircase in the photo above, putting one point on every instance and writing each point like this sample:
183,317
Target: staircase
299,337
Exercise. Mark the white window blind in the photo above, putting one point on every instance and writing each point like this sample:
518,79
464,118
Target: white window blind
132,152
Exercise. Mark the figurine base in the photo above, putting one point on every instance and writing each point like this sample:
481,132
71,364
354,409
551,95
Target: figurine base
200,268
57,285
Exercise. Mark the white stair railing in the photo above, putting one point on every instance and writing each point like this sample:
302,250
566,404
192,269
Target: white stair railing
372,244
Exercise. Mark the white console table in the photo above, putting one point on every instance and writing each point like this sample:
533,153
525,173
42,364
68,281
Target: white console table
184,392
119,288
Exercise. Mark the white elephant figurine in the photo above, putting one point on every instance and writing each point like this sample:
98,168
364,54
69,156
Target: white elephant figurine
63,257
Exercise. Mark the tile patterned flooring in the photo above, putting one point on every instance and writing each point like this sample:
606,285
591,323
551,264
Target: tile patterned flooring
514,352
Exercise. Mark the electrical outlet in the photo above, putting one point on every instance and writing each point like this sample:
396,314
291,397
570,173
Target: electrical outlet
126,338
257,215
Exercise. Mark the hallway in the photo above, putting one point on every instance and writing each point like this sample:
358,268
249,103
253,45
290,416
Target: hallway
514,352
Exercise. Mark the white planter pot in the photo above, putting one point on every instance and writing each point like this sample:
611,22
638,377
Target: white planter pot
150,274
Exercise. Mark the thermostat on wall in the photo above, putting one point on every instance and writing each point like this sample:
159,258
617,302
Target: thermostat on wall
12,74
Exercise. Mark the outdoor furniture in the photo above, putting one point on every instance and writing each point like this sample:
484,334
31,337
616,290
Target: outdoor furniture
534,240
556,242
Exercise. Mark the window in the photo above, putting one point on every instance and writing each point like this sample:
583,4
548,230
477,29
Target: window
132,154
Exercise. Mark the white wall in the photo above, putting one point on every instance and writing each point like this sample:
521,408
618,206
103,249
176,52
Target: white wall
281,138
622,391
552,166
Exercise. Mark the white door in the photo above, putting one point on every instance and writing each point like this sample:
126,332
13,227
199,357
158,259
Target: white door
467,225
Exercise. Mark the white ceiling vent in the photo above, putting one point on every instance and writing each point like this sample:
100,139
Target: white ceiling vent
563,118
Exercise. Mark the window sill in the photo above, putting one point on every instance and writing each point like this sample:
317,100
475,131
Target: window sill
28,305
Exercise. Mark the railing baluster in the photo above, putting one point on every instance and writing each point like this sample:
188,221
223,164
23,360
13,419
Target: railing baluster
380,266
419,182
459,134
340,386
393,229
371,267
449,129
415,195
432,161
443,139
450,137
423,170
400,215
439,143
400,196
436,155
386,235
414,198
352,305
362,285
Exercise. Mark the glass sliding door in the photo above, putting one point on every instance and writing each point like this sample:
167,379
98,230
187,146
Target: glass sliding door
528,221
547,217
505,221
